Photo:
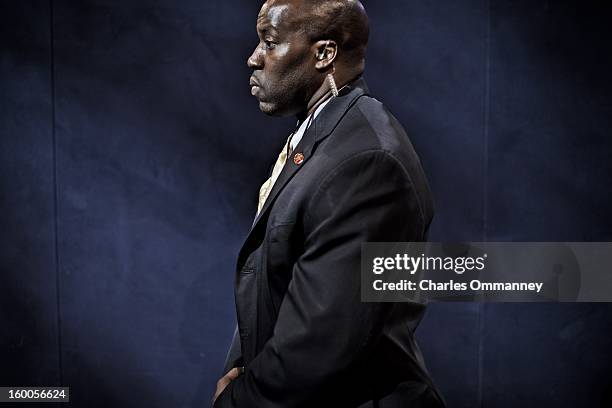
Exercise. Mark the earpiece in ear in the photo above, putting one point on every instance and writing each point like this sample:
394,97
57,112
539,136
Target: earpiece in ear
321,55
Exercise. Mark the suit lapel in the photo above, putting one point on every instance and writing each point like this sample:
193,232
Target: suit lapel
321,127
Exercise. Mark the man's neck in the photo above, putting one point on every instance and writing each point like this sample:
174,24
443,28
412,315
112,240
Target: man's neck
324,93
313,104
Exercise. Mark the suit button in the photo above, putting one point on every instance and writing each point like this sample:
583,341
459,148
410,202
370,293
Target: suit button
247,271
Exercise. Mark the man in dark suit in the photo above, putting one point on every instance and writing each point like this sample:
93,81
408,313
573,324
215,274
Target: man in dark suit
347,175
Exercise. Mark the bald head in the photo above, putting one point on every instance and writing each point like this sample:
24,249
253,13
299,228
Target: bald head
342,21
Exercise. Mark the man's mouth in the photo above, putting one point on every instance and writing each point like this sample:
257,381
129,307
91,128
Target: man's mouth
255,87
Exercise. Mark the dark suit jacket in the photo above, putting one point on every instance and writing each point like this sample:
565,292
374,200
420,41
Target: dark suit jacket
305,338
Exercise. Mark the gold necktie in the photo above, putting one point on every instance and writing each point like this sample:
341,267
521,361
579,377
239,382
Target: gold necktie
266,187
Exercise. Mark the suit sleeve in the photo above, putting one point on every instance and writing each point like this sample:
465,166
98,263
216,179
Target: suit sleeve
323,329
234,356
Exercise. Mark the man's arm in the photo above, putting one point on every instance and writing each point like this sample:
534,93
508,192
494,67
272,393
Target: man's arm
234,354
323,328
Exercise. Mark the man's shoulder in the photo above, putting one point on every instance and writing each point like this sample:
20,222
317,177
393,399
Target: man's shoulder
369,131
369,126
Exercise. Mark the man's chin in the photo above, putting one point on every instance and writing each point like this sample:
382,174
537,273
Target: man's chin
274,109
269,108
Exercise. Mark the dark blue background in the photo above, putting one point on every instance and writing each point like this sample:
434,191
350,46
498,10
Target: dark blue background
131,152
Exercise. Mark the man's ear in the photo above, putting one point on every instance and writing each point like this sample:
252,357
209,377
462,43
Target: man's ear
326,52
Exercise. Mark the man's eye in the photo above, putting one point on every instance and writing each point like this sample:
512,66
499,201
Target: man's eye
269,44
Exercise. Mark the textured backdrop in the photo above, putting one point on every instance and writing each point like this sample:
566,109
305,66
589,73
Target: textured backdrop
131,152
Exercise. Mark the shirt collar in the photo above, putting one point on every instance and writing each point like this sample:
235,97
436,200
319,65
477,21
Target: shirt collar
297,136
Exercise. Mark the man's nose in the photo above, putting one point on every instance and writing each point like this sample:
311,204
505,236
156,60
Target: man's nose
255,60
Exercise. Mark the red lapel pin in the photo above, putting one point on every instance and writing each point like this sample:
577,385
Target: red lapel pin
298,159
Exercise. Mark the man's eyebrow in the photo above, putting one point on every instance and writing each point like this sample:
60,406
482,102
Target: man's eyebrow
266,28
